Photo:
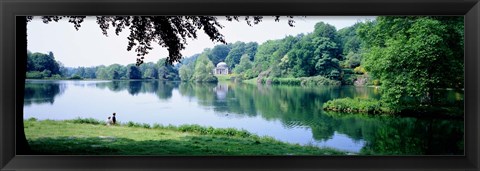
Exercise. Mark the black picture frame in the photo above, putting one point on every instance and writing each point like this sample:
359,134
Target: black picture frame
13,48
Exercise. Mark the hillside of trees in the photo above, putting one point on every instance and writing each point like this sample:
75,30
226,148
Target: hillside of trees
326,54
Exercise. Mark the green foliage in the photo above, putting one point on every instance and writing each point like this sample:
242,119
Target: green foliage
412,56
219,53
150,70
357,105
43,63
348,79
236,52
75,77
263,58
314,54
231,132
353,60
359,70
133,72
34,75
302,81
244,65
101,72
187,67
204,69
166,71
86,121
32,119
117,71
238,49
186,72
350,40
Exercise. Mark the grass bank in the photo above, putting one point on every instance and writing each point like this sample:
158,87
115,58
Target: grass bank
357,105
89,136
301,81
372,106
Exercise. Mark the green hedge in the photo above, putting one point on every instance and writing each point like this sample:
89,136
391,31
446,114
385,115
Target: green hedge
303,81
356,105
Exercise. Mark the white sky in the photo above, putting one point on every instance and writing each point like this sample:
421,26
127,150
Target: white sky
89,47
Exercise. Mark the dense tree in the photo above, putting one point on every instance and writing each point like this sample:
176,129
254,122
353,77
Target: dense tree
187,60
166,71
101,72
412,56
314,54
244,65
116,71
80,71
251,49
351,45
204,69
263,57
349,39
133,72
41,62
186,71
219,53
41,65
233,57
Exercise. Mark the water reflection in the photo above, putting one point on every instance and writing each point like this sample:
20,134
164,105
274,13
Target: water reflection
42,92
298,110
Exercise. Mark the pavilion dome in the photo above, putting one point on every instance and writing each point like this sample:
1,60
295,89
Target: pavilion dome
222,65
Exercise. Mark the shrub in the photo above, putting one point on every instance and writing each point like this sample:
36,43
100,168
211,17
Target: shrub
56,77
157,126
214,131
359,70
146,125
32,119
349,79
133,124
303,81
356,105
75,77
34,75
348,71
87,121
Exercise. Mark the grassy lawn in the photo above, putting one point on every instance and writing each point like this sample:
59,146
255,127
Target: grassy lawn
372,106
87,137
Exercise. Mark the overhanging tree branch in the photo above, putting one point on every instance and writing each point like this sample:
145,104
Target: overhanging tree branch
170,32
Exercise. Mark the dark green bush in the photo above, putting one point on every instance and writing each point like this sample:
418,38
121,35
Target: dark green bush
34,75
87,121
75,77
356,105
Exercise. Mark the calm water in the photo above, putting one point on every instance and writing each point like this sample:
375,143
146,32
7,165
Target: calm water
290,114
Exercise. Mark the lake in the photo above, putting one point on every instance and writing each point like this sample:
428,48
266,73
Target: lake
287,113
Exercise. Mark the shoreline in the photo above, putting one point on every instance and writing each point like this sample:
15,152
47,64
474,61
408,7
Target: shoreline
90,136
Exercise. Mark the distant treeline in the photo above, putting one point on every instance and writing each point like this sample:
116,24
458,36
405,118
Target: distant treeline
44,66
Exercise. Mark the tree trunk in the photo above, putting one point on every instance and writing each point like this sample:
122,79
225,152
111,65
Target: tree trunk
22,146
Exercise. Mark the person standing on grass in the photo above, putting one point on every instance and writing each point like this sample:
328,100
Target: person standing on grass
114,120
109,121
